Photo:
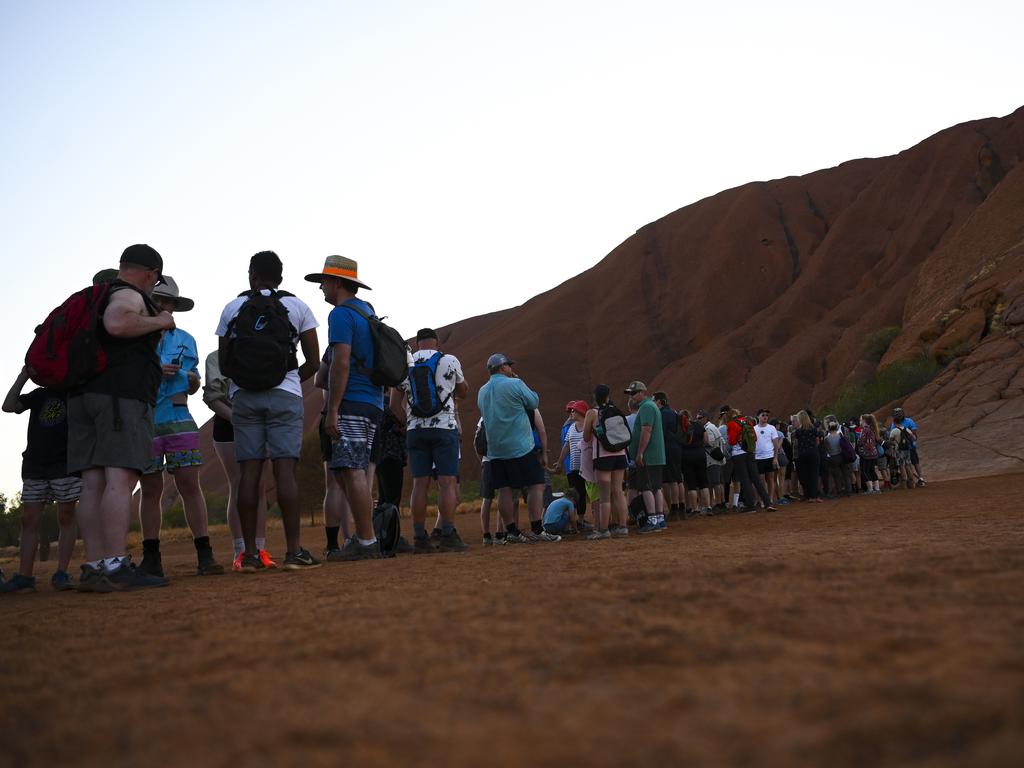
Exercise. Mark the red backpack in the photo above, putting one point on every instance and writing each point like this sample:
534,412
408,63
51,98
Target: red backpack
66,351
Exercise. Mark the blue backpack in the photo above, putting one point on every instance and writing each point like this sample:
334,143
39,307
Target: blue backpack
424,399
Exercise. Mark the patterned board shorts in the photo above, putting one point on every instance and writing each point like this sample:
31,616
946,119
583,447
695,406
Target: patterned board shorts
357,423
60,490
177,443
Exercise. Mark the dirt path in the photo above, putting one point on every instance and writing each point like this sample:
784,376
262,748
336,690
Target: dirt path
882,630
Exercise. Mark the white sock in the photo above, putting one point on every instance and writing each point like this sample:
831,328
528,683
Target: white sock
261,544
368,542
735,499
239,545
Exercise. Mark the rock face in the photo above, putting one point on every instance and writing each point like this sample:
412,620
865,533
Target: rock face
764,295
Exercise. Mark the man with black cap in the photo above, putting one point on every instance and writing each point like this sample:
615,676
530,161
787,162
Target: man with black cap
259,331
425,402
506,404
110,422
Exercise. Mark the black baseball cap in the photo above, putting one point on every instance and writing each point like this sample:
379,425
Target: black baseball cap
144,256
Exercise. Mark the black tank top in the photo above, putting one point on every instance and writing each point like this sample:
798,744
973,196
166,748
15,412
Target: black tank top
133,365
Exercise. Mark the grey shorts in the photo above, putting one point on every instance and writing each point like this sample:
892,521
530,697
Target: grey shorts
714,474
94,439
267,424
60,490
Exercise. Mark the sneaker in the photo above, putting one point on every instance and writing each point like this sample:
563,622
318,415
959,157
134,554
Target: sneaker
770,508
300,561
250,564
128,578
94,580
586,527
596,535
404,547
19,583
236,564
207,566
530,536
920,483
61,581
353,550
746,510
549,537
648,528
151,565
619,531
517,538
422,545
266,559
435,536
489,541
663,523
452,542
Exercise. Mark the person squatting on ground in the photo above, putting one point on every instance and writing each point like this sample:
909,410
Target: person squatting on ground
45,479
258,333
505,404
110,422
355,404
176,441
215,395
426,403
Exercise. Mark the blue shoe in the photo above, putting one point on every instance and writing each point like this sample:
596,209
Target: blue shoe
663,525
648,528
19,583
61,581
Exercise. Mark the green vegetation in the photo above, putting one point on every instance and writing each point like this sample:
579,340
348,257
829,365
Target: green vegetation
889,383
876,345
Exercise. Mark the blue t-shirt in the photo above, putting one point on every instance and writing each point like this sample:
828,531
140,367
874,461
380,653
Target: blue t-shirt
347,327
558,513
567,462
176,346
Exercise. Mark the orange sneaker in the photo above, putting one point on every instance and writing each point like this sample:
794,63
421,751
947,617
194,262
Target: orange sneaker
266,560
237,564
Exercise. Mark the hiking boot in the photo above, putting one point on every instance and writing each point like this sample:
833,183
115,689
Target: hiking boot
94,580
403,547
128,578
619,531
489,541
435,536
549,537
61,582
596,535
19,583
250,564
452,542
300,561
648,528
151,565
353,550
663,523
422,545
207,565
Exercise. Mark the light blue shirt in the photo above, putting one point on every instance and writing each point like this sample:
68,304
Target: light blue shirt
503,403
176,346
558,513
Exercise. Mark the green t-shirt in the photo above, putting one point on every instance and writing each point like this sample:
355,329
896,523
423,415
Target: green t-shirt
649,415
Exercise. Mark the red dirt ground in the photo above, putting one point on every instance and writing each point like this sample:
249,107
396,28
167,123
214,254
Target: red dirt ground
873,631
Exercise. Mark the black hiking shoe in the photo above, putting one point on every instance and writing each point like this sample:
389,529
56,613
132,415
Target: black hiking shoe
353,550
422,545
452,542
151,565
207,565
128,578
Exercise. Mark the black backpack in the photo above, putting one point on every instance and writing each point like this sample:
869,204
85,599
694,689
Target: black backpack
424,398
480,440
261,342
390,352
387,526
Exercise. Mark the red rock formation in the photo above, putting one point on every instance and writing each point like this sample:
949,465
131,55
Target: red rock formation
765,295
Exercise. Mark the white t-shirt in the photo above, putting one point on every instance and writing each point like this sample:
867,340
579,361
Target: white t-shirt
301,317
449,374
766,436
715,441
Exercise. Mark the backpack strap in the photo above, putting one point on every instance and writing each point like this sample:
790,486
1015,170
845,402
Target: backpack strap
362,363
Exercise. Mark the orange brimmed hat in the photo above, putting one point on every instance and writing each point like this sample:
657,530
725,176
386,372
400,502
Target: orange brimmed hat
339,266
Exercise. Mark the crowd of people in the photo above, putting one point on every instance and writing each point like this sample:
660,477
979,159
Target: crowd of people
117,417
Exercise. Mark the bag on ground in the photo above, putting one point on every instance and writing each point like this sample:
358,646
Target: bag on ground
387,526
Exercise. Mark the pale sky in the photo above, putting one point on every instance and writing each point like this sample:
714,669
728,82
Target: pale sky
468,155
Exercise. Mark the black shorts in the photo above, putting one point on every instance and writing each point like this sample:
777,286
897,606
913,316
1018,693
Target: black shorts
223,432
517,473
325,440
674,468
913,456
764,466
486,483
695,473
647,478
610,463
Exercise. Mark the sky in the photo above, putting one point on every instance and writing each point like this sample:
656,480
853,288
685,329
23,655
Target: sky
468,155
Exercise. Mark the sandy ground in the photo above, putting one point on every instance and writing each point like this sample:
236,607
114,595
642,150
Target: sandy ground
873,631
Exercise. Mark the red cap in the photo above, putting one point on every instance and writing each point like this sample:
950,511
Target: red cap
580,406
